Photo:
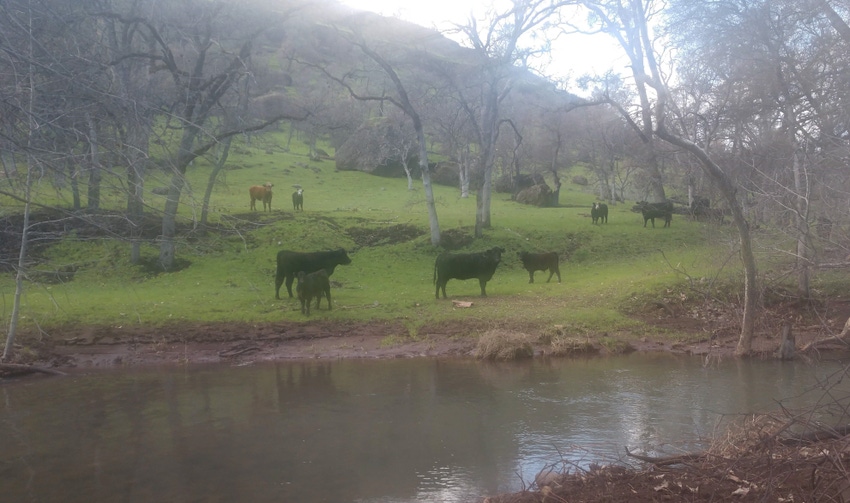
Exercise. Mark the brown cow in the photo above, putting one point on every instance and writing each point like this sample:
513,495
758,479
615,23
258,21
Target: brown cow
262,193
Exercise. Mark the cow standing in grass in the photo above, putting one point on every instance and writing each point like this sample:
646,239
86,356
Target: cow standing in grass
599,212
540,262
261,193
298,200
289,263
481,265
651,211
313,285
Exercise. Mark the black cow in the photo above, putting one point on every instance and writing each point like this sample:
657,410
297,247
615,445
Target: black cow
599,211
313,285
540,262
651,211
479,265
290,262
298,200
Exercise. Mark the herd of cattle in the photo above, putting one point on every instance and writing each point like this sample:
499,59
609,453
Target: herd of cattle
313,269
598,211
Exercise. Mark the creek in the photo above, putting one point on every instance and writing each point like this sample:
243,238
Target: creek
400,431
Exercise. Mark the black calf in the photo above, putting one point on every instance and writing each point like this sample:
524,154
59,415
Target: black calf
313,285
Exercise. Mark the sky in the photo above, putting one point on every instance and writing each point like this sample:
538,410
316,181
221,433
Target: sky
571,56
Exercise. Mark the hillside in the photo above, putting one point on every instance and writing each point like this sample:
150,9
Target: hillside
622,283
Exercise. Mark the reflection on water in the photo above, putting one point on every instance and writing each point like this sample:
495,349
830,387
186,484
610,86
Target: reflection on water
364,431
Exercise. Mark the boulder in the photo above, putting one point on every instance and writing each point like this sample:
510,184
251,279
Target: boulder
539,195
370,149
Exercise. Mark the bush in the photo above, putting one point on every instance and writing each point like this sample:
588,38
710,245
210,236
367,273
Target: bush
568,346
502,345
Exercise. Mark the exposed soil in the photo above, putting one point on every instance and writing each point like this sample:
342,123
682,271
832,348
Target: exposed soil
714,332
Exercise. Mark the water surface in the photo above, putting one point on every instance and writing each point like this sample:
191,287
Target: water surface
403,431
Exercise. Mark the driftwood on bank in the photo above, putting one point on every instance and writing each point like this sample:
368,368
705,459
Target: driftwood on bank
238,350
667,460
818,435
840,341
18,369
793,439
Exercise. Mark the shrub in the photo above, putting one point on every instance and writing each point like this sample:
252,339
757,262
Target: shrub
566,346
502,345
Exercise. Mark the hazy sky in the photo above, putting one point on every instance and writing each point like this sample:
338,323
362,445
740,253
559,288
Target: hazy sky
424,12
575,55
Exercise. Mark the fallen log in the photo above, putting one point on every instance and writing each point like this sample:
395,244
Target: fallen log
667,460
840,341
230,353
818,435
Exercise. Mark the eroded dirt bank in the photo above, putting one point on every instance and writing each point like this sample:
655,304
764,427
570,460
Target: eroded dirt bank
239,343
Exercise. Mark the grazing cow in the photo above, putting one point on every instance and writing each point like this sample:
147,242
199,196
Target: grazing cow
700,206
599,211
261,193
651,211
313,285
701,210
290,262
298,200
479,265
540,262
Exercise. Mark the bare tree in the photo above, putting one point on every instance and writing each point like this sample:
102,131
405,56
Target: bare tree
452,132
34,66
499,58
205,50
403,143
358,81
629,22
773,106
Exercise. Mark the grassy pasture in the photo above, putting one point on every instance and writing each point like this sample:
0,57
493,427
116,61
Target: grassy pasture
231,275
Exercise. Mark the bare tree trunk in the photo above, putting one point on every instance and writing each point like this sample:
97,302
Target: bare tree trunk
407,172
433,222
137,156
289,136
802,229
73,177
219,165
722,181
21,273
94,168
169,222
489,135
835,20
482,203
463,172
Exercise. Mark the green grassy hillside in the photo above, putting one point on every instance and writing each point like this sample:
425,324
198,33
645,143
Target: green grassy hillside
384,227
